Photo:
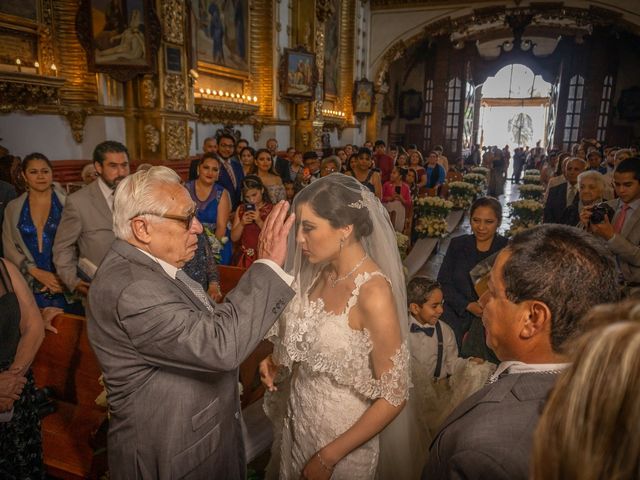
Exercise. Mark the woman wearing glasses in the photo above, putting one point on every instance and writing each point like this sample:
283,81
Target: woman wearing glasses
213,206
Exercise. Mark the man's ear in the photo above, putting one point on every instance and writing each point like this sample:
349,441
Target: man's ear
413,308
537,319
140,230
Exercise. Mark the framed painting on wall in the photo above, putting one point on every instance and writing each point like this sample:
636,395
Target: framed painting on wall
331,73
298,74
363,97
121,37
23,9
221,34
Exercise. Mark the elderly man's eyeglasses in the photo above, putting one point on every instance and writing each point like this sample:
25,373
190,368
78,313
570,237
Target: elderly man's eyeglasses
187,220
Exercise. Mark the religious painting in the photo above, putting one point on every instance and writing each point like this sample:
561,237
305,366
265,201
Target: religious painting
363,97
222,33
298,74
332,52
27,9
121,36
410,104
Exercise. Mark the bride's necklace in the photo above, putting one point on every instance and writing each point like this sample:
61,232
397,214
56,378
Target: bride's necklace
333,280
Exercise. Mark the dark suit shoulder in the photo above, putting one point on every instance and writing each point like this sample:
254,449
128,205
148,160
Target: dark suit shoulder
462,242
558,190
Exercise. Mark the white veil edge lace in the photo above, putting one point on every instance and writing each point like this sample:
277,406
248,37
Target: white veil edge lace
400,440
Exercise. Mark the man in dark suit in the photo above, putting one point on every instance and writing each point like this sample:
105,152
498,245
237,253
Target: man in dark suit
231,173
563,195
280,165
540,287
169,355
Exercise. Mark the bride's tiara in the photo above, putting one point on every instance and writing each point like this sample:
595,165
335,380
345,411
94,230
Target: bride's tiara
365,201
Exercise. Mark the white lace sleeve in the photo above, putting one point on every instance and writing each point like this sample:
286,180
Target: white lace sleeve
394,384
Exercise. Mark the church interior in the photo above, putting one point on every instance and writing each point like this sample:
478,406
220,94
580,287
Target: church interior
304,81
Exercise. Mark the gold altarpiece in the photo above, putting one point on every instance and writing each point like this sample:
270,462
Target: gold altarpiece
44,69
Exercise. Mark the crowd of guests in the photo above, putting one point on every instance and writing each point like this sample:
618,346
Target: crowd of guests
546,282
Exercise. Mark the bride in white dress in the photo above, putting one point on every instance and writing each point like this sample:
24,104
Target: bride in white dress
338,378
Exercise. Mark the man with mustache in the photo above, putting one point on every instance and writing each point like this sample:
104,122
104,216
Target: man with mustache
85,232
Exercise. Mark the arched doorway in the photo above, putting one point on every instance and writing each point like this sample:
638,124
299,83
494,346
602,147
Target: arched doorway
514,108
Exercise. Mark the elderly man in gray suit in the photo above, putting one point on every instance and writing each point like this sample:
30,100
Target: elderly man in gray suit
540,286
622,232
170,357
85,232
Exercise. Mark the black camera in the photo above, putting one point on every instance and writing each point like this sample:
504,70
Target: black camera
600,211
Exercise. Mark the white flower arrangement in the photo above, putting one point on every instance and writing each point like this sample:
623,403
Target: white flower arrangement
534,172
526,212
531,180
431,227
432,207
403,244
462,194
531,191
481,170
477,179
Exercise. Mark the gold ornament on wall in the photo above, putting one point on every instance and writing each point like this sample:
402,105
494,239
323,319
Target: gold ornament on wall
76,118
174,93
149,92
173,21
176,140
151,138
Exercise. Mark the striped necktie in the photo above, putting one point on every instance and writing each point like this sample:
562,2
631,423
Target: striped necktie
195,288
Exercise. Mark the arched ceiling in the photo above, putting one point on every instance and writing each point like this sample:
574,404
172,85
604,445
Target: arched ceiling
491,27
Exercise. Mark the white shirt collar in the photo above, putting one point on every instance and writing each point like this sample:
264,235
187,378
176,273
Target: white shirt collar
167,267
513,366
107,192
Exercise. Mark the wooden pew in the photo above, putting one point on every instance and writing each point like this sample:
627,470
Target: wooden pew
67,363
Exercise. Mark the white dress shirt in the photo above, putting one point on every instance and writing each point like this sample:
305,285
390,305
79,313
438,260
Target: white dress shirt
107,192
512,367
424,353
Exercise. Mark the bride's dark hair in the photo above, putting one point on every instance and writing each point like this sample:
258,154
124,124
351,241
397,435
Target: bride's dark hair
338,203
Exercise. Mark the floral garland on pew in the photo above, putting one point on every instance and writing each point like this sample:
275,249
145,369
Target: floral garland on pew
532,177
403,244
525,214
462,194
481,170
430,217
477,179
531,191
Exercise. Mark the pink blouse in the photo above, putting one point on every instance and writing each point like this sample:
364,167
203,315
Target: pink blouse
389,190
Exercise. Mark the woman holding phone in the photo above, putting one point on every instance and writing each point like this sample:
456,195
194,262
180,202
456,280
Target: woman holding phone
249,219
396,197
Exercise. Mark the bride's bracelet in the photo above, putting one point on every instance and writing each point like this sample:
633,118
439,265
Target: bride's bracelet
324,465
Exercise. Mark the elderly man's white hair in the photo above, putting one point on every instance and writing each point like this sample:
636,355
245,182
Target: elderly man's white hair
594,175
138,193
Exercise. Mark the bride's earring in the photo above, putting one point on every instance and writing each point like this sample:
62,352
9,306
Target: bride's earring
341,244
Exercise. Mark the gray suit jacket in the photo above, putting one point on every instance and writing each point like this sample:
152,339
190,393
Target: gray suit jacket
171,367
489,435
626,245
85,230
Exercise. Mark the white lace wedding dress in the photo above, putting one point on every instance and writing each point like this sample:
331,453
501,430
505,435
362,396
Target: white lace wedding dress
329,384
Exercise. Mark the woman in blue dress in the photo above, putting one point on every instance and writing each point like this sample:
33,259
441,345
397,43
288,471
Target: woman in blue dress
213,205
28,231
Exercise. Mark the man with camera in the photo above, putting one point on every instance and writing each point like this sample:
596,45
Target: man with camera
622,230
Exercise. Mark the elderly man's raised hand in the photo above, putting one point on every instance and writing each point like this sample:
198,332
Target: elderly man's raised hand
272,244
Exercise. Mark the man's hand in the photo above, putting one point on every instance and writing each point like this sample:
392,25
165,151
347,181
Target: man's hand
475,308
272,243
585,215
604,229
82,288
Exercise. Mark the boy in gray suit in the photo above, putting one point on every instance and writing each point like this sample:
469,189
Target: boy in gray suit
540,286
